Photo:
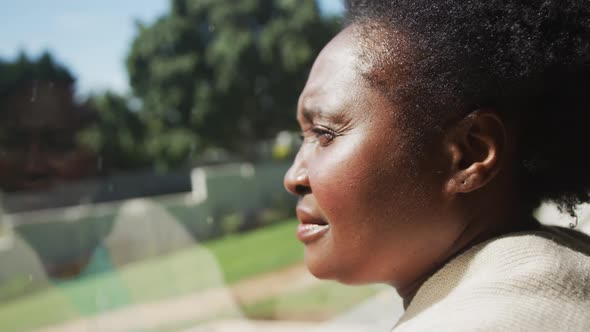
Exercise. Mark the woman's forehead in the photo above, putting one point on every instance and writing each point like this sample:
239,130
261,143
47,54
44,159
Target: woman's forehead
339,57
334,77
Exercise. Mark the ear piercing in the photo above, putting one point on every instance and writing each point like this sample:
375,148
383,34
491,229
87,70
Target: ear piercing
575,223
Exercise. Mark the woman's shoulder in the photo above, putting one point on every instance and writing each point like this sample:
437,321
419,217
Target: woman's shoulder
539,250
537,280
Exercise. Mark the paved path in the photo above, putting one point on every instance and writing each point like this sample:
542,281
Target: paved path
193,307
377,314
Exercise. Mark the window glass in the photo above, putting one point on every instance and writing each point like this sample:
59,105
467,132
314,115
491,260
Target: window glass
142,150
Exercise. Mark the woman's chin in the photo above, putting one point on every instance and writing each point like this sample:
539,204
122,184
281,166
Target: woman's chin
323,267
327,268
318,264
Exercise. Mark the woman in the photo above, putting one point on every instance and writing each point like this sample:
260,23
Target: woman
432,130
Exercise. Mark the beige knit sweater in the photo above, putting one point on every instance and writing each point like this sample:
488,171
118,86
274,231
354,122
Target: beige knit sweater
533,281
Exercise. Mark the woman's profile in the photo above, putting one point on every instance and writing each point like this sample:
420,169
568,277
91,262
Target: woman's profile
432,130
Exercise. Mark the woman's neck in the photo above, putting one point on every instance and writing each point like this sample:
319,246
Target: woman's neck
472,235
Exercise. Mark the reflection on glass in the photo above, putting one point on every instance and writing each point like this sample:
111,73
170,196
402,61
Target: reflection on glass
159,205
39,147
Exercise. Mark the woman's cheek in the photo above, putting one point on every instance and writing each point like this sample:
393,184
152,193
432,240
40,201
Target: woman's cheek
335,187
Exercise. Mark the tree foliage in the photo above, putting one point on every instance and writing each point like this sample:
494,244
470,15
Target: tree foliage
109,126
209,74
118,133
23,70
223,73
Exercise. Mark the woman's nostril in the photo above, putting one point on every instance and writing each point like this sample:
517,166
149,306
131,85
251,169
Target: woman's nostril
302,190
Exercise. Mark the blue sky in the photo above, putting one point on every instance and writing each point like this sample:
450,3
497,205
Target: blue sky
90,37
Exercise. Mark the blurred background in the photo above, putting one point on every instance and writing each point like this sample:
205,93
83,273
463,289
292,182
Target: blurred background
142,150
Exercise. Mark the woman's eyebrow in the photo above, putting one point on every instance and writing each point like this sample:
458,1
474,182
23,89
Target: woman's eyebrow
310,114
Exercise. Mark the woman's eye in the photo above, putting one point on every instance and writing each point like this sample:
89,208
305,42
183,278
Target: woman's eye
323,136
320,135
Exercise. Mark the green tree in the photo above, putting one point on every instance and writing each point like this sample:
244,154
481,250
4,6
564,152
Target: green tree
117,133
223,73
109,126
23,70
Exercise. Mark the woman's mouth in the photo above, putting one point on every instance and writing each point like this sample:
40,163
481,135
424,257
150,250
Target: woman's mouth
308,233
311,228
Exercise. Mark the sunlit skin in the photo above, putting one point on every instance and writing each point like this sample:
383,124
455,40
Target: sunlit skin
380,212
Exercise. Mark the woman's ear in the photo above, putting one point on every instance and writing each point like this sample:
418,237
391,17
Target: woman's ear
476,146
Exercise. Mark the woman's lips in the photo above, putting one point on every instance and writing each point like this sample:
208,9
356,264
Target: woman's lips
311,227
308,233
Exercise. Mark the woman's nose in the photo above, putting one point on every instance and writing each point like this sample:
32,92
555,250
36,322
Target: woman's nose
296,179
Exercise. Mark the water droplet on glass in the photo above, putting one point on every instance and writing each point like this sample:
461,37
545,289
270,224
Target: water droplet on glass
34,92
99,163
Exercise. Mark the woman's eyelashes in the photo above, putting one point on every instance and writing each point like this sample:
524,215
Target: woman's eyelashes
323,136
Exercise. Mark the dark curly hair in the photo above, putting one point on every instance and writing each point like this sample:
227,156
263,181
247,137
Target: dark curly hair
528,60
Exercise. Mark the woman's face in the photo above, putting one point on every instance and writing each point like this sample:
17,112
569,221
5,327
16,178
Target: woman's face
370,210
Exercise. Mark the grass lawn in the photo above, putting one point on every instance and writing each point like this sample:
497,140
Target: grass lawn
234,258
246,255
